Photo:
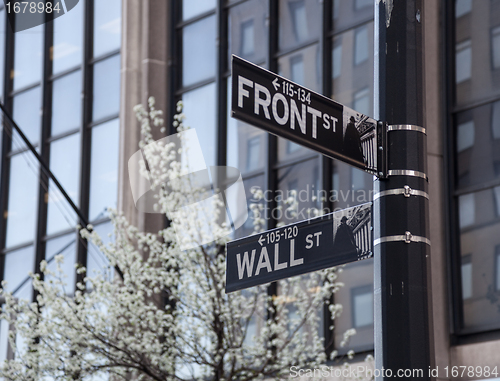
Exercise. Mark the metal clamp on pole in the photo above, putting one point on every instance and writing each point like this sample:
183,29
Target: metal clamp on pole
405,191
406,127
407,238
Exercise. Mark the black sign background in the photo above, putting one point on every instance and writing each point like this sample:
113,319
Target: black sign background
334,247
327,141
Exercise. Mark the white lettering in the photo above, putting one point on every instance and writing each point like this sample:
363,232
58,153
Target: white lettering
263,262
334,120
326,121
283,119
301,118
241,91
293,261
277,265
249,266
262,102
309,241
315,113
317,234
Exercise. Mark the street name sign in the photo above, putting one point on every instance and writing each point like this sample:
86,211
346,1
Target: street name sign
322,242
289,110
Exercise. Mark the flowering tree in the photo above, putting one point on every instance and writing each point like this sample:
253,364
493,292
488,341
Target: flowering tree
167,317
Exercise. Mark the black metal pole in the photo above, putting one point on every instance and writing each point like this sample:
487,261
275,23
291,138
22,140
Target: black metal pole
401,244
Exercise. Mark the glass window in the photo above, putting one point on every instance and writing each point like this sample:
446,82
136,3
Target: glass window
362,101
66,103
239,134
301,67
68,39
356,297
18,264
465,135
360,4
497,268
2,53
248,30
349,14
361,46
477,151
104,169
27,113
348,83
107,26
23,195
65,246
247,38
253,153
466,270
28,52
336,58
198,51
462,7
358,179
299,19
495,120
298,177
495,47
464,61
467,210
199,108
298,22
362,306
65,165
297,69
106,100
97,262
496,193
256,182
191,8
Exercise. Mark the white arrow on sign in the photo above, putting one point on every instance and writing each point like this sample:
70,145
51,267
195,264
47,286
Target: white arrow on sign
276,84
261,239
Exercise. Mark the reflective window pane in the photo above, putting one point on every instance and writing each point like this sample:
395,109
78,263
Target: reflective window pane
248,227
104,169
27,113
477,145
298,22
352,75
65,246
106,100
477,51
28,53
248,30
479,241
356,298
191,8
198,51
97,262
302,67
348,14
66,103
107,26
65,164
68,39
23,195
18,264
199,108
246,144
2,53
303,180
362,306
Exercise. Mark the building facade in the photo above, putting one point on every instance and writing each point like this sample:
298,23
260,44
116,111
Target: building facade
71,85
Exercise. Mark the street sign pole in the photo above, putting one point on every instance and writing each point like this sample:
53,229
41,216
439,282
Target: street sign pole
401,233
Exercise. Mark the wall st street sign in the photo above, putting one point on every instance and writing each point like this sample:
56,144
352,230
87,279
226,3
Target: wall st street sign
330,240
291,111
